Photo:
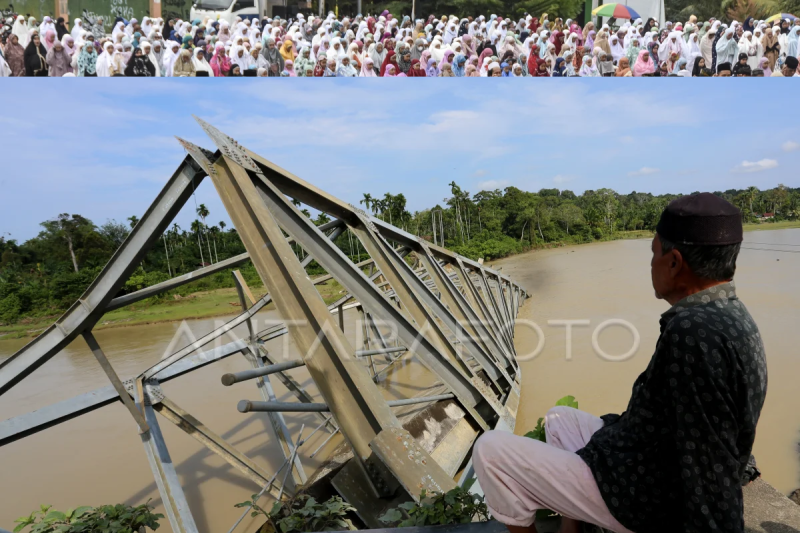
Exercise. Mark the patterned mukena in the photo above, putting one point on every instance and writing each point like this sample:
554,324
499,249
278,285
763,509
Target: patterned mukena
674,460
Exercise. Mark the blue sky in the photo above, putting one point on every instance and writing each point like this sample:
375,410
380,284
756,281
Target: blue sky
104,148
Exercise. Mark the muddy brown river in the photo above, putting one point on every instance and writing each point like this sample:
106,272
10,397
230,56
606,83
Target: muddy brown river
98,458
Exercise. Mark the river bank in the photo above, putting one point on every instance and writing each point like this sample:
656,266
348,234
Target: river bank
220,302
198,305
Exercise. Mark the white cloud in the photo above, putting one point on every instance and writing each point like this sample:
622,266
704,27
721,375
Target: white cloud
627,139
790,146
562,179
481,172
755,166
644,171
490,185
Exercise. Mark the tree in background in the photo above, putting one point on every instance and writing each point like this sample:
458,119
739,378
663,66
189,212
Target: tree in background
46,274
367,200
568,214
77,235
196,227
742,9
202,212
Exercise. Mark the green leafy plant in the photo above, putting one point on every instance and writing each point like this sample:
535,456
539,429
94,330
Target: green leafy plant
118,518
456,506
538,432
302,513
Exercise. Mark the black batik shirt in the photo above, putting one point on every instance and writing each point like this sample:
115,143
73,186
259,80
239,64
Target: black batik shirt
674,460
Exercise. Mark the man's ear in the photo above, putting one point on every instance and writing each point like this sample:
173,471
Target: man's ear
675,262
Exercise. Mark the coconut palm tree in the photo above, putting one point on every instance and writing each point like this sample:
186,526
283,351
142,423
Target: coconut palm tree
196,227
222,230
213,230
752,193
203,212
367,200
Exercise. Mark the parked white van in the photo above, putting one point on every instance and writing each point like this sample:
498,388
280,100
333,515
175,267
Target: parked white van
228,10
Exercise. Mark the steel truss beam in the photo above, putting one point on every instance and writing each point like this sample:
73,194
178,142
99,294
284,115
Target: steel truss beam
401,277
169,486
265,387
463,313
481,305
84,313
301,190
464,335
361,288
354,400
198,431
127,299
28,424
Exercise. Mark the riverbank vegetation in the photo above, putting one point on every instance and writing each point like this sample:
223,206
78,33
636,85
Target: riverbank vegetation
118,518
41,277
456,506
302,513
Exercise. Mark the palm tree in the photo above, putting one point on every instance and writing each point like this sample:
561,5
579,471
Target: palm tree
367,200
222,230
214,230
196,227
388,203
379,206
752,192
203,212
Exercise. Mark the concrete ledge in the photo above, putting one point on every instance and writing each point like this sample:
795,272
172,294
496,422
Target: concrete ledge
768,511
492,526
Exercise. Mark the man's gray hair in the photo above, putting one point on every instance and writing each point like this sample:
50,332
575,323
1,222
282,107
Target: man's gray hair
717,262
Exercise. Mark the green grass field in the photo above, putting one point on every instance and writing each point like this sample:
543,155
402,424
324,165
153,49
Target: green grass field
198,305
784,224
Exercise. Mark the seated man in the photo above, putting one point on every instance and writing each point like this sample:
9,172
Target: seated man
674,460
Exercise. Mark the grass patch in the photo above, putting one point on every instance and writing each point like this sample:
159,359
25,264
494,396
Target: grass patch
205,304
761,226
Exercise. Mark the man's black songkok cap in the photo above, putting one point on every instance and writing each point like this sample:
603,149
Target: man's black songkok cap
701,218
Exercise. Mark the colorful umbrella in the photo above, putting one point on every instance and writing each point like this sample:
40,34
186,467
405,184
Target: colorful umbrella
618,11
781,16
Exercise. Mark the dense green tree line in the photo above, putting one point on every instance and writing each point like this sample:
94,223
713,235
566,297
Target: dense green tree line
47,273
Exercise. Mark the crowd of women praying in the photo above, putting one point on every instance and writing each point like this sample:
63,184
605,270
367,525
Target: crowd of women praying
385,46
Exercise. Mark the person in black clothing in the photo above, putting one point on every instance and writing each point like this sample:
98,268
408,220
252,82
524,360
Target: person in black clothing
676,459
741,66
699,65
168,27
140,65
487,44
61,28
35,58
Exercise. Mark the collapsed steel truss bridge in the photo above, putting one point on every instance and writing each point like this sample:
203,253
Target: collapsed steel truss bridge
455,315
